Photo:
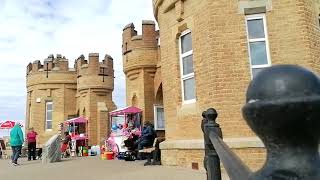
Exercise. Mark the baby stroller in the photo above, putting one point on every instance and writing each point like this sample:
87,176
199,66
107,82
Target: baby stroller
131,154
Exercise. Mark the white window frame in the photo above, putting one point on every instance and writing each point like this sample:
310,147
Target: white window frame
265,39
187,76
155,107
48,102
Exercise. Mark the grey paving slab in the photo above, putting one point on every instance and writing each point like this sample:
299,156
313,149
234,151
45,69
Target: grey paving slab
92,168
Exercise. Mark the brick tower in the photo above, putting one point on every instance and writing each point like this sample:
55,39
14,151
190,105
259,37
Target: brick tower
140,59
51,89
94,94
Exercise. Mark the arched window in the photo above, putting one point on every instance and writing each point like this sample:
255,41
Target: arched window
135,101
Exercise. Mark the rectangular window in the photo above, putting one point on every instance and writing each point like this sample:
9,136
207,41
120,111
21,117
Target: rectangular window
49,110
186,67
159,121
258,43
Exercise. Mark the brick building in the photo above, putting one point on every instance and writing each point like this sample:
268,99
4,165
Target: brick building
209,52
57,93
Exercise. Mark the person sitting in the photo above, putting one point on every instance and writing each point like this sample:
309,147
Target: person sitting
148,135
65,144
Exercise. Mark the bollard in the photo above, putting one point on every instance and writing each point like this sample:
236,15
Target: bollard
213,161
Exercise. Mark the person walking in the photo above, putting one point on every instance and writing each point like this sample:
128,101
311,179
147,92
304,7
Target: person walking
32,144
16,141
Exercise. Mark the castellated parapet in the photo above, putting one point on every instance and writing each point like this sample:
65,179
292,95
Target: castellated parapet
140,51
91,73
55,68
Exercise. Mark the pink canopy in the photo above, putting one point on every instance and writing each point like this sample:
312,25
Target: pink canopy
76,120
127,110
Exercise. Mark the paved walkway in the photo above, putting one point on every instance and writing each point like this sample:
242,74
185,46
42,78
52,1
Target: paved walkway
93,168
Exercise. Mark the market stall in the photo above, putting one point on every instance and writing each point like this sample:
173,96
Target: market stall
77,128
125,123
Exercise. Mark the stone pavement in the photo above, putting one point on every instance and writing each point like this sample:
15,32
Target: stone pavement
92,168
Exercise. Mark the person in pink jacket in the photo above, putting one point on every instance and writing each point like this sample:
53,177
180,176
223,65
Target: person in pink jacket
32,144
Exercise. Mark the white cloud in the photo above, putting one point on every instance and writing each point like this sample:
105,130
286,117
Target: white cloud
32,29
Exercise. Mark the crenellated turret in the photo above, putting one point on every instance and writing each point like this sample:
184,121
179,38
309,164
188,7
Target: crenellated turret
140,59
94,86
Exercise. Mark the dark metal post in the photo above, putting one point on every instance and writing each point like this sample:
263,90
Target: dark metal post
207,141
211,160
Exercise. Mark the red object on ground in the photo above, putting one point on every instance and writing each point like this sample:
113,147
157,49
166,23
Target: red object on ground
7,125
109,155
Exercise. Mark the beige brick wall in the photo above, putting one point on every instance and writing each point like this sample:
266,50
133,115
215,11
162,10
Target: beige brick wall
221,62
254,158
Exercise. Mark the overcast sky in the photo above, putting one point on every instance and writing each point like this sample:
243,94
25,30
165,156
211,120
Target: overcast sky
32,29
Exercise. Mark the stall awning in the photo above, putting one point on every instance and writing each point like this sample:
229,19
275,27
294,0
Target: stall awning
126,110
76,120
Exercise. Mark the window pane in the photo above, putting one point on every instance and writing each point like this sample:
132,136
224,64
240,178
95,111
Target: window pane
49,106
160,118
255,28
256,71
49,125
258,53
186,43
189,89
49,115
187,65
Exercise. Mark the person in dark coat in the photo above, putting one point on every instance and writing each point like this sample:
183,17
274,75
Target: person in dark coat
148,135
